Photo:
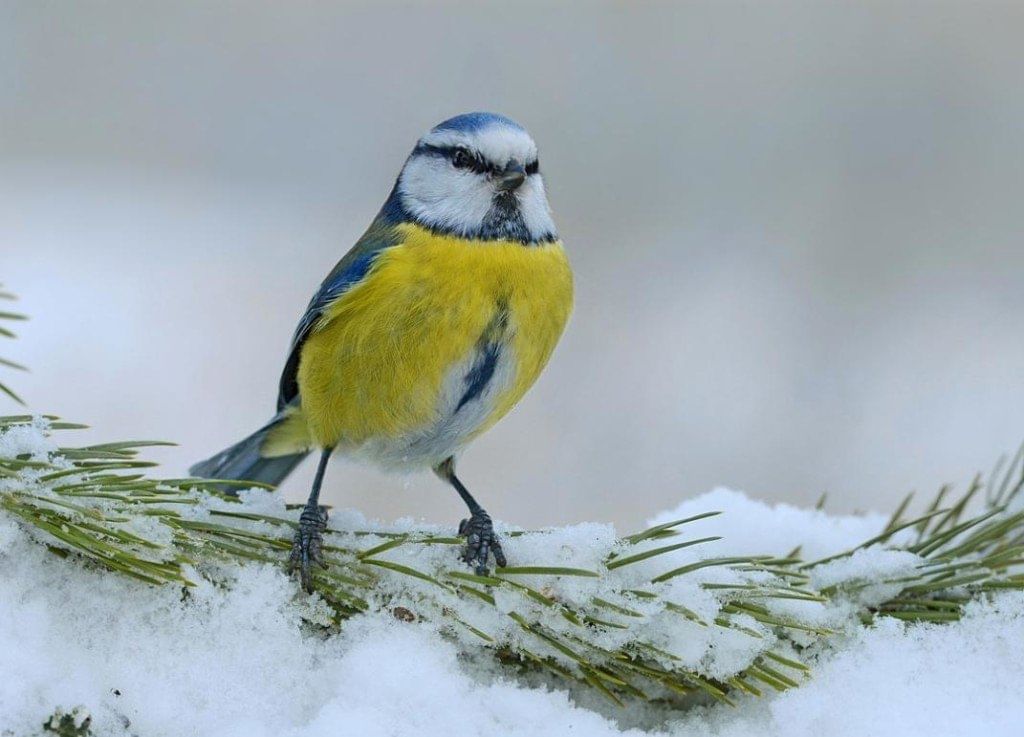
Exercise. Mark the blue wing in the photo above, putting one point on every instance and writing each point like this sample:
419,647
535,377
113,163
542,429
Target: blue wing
352,269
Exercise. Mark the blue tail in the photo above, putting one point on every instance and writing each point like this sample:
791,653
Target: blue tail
243,462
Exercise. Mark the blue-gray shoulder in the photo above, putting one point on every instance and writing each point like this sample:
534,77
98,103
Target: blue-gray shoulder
349,271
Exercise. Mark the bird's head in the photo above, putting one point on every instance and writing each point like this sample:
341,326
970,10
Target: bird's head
476,176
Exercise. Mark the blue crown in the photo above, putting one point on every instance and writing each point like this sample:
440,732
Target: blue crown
471,122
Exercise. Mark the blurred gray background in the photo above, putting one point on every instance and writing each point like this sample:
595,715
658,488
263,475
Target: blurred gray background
796,228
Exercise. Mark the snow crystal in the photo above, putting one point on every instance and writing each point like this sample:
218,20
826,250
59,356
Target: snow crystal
30,438
870,574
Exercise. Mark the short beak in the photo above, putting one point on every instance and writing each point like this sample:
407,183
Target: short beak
510,179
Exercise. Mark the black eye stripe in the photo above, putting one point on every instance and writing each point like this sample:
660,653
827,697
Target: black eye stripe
463,158
476,163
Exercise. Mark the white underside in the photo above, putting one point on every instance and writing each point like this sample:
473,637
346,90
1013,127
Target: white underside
451,431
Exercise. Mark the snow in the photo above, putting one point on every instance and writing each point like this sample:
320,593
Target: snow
239,655
234,662
751,527
962,679
31,439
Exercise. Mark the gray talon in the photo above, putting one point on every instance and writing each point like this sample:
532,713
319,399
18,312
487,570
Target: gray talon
481,542
307,547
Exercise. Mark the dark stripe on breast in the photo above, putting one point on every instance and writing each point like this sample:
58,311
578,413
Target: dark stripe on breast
487,354
480,374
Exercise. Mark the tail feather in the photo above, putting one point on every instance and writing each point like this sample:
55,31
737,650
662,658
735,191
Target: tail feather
243,461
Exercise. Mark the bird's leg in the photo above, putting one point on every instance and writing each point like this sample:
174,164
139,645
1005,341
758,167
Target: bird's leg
478,530
307,547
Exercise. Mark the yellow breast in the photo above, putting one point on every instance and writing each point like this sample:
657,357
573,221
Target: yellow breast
376,366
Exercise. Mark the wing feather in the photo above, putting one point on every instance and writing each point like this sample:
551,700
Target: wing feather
353,268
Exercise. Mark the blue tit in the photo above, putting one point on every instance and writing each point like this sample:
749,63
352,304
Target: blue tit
427,332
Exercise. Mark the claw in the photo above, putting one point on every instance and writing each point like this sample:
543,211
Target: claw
481,543
307,547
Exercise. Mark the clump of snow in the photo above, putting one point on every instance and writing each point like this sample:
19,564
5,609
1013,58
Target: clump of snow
753,527
30,438
875,563
870,576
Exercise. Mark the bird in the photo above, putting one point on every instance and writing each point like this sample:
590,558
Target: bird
428,331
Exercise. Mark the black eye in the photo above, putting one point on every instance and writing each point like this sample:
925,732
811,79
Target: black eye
533,167
461,158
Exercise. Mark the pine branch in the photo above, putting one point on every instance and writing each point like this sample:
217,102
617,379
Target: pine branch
602,627
6,318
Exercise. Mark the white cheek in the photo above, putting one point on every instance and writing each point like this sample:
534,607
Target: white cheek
533,204
444,197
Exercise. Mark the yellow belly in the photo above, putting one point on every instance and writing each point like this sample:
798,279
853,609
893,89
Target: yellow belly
375,368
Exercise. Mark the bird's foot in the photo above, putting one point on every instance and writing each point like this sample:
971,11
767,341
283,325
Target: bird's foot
307,547
481,541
